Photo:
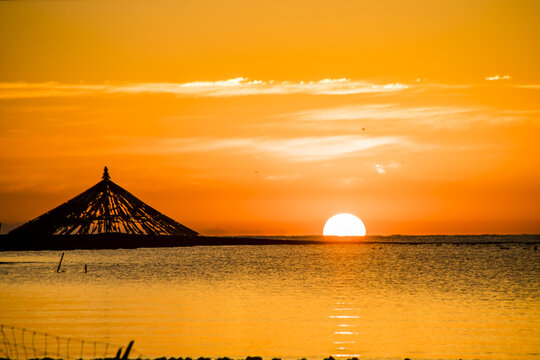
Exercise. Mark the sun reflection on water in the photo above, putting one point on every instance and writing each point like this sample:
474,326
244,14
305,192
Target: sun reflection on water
345,343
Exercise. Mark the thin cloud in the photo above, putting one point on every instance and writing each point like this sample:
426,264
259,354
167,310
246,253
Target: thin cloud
376,112
233,87
531,86
383,168
244,87
282,178
48,89
498,77
303,149
436,116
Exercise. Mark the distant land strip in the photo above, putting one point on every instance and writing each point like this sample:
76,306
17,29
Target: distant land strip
128,241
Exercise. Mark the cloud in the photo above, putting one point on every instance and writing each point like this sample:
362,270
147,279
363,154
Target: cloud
243,87
283,178
377,112
498,77
435,116
233,87
531,86
301,149
383,168
380,169
48,89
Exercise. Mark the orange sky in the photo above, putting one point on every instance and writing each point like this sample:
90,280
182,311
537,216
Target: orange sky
259,117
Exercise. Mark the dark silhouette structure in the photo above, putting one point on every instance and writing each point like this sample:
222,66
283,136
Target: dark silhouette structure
105,208
106,216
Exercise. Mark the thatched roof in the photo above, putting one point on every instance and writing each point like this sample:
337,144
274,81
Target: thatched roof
105,208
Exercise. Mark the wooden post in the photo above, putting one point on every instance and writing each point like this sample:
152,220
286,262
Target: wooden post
118,353
126,354
60,263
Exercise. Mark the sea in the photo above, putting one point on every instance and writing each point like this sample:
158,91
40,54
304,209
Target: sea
386,297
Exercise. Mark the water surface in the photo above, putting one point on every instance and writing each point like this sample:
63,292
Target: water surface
418,299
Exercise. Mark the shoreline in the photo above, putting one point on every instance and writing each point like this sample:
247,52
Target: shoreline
127,241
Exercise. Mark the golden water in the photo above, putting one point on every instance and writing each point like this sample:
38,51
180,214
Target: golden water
374,301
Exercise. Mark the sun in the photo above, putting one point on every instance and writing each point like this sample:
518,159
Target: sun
344,225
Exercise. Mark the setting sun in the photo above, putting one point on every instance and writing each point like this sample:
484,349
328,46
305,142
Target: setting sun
344,225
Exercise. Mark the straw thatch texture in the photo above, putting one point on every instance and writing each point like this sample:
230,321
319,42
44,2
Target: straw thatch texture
105,208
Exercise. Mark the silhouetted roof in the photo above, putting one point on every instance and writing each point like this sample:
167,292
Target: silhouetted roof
105,208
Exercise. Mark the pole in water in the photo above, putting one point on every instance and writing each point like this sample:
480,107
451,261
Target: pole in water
85,269
126,354
60,263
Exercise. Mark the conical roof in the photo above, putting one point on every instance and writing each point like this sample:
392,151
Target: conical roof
105,208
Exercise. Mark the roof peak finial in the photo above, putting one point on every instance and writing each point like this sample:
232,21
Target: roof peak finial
106,175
